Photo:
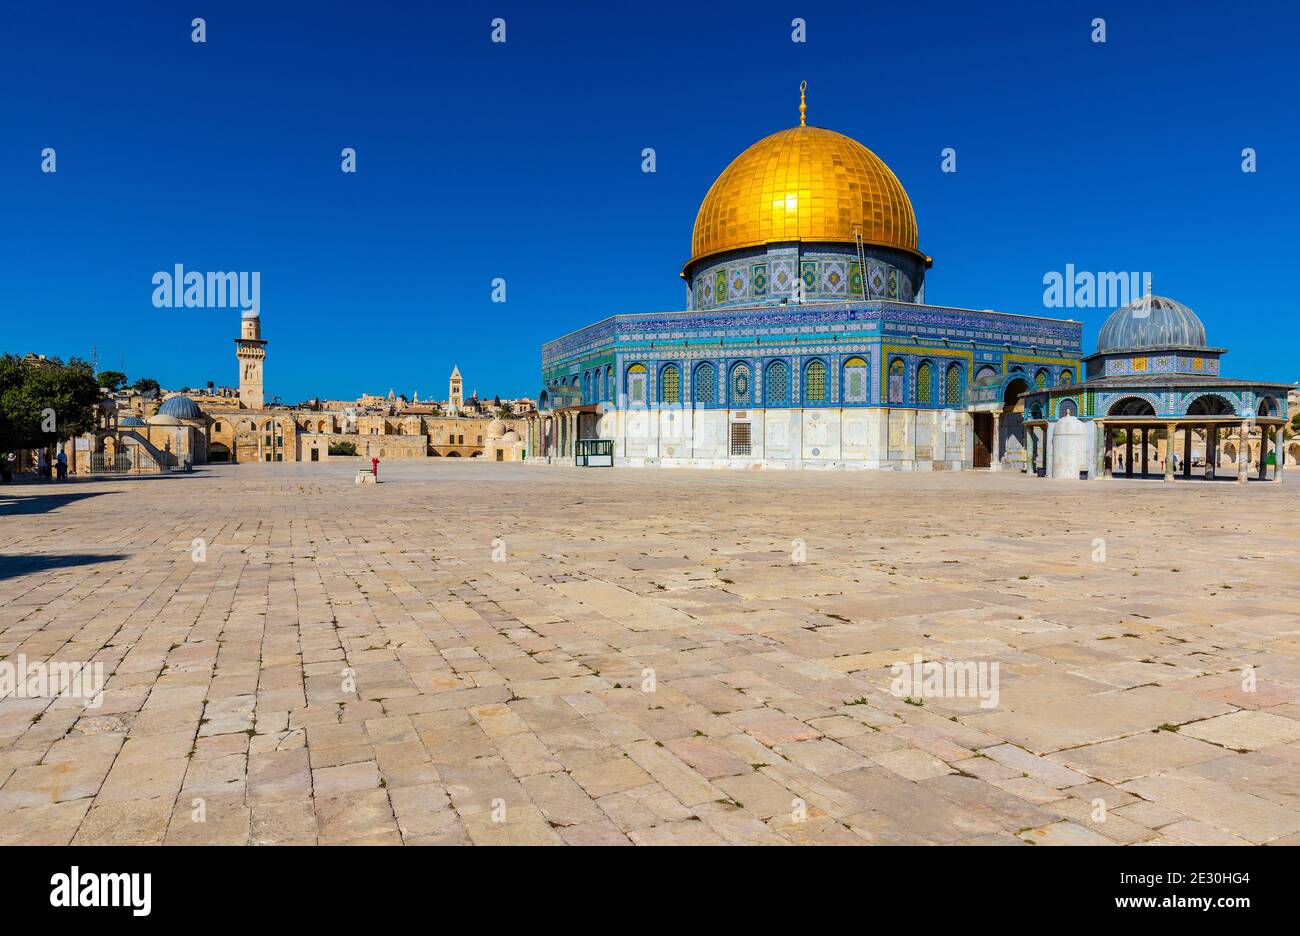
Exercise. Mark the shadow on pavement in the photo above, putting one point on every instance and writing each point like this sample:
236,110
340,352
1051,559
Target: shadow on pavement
11,506
13,566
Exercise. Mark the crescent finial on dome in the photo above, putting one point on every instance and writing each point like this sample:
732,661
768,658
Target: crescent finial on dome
803,104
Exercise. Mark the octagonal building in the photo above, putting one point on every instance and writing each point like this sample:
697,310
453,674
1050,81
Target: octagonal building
806,340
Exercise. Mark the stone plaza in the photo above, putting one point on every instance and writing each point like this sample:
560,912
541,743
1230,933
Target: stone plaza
471,653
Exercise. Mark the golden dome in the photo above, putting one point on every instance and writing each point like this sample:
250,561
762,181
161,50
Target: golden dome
804,184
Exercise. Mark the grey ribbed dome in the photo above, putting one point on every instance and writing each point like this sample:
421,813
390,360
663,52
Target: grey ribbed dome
1151,322
182,407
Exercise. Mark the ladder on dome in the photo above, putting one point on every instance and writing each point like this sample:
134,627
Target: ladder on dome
862,261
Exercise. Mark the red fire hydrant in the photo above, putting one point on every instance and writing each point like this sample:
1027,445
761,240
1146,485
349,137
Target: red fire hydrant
374,467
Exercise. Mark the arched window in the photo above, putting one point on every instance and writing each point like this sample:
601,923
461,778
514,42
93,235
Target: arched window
924,382
814,382
1040,378
1067,408
776,384
740,384
896,380
855,380
636,380
952,385
586,387
1067,378
670,384
985,372
704,383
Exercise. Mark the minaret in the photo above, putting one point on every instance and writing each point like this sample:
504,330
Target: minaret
455,393
250,351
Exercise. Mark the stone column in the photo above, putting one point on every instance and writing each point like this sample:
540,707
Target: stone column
1047,450
995,457
1280,448
1170,430
1104,451
1243,452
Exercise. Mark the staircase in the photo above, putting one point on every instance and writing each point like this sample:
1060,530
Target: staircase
148,459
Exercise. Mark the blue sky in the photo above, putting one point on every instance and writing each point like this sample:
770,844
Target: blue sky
522,160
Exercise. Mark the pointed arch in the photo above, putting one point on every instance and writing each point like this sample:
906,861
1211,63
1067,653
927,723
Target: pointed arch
636,384
897,380
814,382
924,382
952,385
855,383
740,384
704,383
670,384
776,384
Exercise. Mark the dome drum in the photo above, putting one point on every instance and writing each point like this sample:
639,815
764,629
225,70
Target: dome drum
781,273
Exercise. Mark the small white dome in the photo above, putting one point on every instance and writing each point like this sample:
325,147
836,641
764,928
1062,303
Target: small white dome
510,436
496,429
1067,425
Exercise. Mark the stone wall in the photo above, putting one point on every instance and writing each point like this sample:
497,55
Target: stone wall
921,440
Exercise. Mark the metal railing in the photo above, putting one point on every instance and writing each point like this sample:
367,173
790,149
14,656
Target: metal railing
136,461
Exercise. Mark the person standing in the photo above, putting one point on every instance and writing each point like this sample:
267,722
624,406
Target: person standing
61,465
43,465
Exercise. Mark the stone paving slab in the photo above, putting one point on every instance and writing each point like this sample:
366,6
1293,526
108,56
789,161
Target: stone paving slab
646,660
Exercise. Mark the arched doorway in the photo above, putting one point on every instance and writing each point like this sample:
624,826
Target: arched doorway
1210,405
1138,450
1011,428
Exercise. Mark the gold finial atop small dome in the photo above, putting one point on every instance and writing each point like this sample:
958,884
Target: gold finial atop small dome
803,104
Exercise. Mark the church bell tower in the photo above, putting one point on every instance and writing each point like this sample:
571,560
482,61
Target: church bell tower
250,351
455,392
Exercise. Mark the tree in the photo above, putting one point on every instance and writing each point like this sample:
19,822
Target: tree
146,386
44,404
113,380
